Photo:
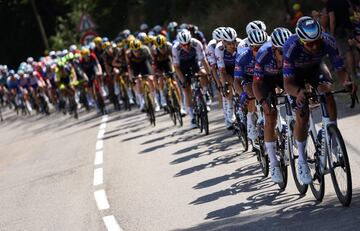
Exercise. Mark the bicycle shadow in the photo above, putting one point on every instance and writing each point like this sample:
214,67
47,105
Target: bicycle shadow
301,215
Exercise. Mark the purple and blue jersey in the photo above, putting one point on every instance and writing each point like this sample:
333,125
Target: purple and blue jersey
297,58
265,64
244,63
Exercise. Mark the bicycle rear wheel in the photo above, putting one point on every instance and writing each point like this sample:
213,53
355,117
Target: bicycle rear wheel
339,166
281,152
177,107
294,158
150,109
204,116
318,184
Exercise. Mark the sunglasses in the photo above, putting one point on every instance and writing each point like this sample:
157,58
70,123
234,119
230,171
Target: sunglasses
226,43
279,50
185,45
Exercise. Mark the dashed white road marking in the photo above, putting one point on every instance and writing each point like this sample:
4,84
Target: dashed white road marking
104,118
111,223
101,199
101,134
103,125
99,145
98,158
98,176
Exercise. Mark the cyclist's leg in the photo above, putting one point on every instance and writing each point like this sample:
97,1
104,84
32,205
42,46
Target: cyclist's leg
247,86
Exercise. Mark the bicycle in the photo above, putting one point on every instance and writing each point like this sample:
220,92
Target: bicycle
149,101
240,122
199,104
172,99
124,94
327,153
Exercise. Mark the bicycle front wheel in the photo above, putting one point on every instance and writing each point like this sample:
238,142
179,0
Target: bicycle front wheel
280,143
177,108
339,166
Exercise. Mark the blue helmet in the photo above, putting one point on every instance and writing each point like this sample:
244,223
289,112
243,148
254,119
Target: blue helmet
308,29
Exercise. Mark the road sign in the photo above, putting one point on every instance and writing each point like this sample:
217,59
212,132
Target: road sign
86,23
87,37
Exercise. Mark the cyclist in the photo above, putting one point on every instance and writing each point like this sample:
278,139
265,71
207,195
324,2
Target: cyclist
139,63
225,53
244,71
267,77
162,63
172,31
24,88
253,25
303,55
197,34
92,68
187,54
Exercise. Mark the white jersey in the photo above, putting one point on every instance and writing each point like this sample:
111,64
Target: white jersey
224,58
210,52
196,52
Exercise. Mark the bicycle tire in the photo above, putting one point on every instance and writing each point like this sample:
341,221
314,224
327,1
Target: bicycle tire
204,116
170,108
241,132
177,108
281,152
150,109
263,159
334,134
318,184
302,188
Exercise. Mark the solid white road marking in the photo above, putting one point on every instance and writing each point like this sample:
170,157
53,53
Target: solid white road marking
98,176
103,126
99,145
101,199
104,118
98,158
111,223
101,134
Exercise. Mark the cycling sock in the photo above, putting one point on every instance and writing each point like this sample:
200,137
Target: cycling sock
190,112
231,115
271,150
301,150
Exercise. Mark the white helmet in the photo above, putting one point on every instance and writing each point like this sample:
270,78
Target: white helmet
279,36
217,34
73,48
172,25
257,37
144,26
141,36
257,24
229,34
184,36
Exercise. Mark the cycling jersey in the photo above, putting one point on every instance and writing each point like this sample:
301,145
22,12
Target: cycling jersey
296,58
162,61
140,64
210,52
24,82
12,83
225,59
188,61
244,65
90,66
266,64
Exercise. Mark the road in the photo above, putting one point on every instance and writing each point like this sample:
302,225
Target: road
103,173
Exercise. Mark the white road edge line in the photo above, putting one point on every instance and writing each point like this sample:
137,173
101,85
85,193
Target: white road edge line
103,125
104,118
98,158
99,145
98,176
111,223
101,134
101,199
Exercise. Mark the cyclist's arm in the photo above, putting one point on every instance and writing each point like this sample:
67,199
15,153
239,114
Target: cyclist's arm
176,61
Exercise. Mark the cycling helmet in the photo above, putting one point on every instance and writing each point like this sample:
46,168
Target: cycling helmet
21,72
65,52
279,36
144,26
73,48
160,41
85,51
184,36
97,40
142,36
30,60
308,29
11,72
135,44
106,45
157,29
183,26
172,26
229,34
105,39
257,37
16,76
257,24
217,34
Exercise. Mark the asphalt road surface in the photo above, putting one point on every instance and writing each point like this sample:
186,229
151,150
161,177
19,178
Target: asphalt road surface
116,172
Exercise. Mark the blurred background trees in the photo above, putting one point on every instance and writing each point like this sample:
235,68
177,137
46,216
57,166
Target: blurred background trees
21,37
